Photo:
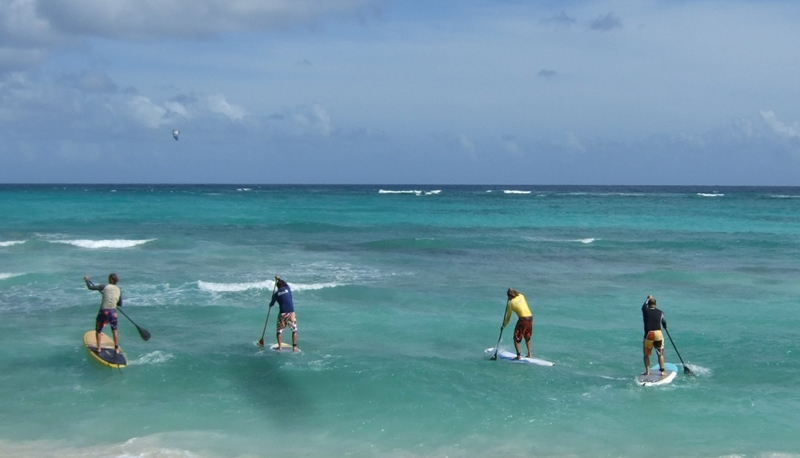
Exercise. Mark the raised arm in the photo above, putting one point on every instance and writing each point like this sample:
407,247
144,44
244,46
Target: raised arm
92,286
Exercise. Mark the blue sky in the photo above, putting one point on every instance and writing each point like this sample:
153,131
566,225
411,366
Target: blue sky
390,92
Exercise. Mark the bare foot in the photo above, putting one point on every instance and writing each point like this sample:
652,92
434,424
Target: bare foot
518,357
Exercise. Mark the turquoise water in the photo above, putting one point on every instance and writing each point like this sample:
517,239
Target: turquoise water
398,294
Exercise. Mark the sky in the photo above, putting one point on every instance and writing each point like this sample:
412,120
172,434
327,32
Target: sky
573,92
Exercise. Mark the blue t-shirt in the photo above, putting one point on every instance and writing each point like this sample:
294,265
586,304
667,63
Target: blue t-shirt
284,298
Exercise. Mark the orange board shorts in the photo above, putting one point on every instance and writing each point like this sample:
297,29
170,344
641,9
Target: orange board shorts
654,339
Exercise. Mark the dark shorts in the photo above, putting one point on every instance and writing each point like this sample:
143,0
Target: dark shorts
523,329
104,317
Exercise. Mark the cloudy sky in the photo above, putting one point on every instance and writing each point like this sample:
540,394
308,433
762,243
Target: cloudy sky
400,91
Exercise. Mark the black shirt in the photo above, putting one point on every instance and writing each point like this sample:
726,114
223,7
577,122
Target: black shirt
653,318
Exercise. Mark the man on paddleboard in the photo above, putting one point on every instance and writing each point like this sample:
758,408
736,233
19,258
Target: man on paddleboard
653,338
524,327
112,298
283,296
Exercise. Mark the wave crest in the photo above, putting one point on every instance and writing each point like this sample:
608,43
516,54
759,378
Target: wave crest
11,242
94,244
266,284
5,275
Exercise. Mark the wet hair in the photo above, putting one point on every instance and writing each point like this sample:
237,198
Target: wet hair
281,283
651,302
512,292
112,278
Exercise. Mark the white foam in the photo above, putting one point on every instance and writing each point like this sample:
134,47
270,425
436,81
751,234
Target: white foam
512,191
156,357
234,287
705,194
12,242
94,244
699,370
433,193
5,275
585,241
266,284
384,191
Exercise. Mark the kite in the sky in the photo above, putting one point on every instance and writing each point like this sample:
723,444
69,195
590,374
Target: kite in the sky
175,134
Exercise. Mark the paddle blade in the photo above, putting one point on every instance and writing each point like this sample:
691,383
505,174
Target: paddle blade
687,371
260,343
143,334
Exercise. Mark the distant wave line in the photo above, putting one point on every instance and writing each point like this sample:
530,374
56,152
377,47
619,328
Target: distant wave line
410,191
6,275
706,194
259,285
513,191
94,244
584,241
11,242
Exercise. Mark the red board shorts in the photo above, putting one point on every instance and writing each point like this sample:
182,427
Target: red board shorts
523,329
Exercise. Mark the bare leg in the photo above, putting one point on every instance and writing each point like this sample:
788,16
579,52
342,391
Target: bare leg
97,336
528,344
516,347
646,360
661,362
116,341
294,342
278,338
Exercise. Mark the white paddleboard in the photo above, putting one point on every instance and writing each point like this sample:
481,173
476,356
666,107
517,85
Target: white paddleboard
656,377
284,347
511,357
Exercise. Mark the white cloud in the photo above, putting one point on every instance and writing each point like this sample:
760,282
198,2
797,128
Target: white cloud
323,119
218,104
574,144
780,128
146,112
177,108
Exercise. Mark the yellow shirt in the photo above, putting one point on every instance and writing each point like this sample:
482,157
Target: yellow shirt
519,306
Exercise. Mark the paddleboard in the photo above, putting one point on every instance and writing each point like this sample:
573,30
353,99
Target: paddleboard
107,357
284,346
656,378
510,357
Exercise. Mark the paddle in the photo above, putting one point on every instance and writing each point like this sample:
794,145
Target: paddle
142,332
269,309
686,369
497,345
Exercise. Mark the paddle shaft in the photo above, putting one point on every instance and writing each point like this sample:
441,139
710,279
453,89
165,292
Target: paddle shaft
685,368
142,332
497,345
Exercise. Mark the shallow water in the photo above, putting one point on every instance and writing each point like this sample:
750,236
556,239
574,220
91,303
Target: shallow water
398,294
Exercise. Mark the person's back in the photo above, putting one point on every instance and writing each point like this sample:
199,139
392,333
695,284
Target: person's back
286,317
653,319
524,328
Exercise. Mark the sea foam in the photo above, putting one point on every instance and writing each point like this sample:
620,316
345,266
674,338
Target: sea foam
266,284
11,242
5,275
94,244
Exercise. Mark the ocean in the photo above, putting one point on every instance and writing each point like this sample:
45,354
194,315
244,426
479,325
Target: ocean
398,291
